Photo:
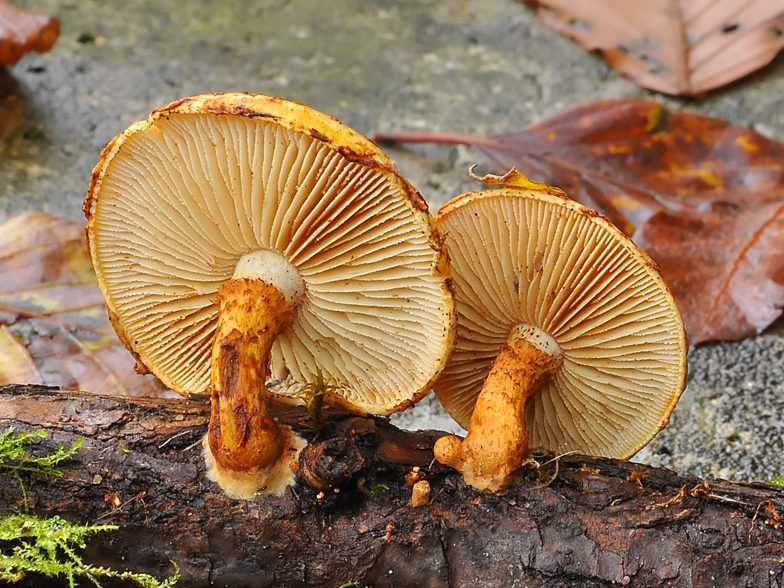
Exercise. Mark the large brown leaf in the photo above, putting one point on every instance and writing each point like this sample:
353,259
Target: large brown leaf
704,198
674,46
22,31
54,328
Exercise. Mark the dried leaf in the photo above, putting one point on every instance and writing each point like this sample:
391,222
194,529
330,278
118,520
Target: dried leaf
22,31
55,329
724,264
674,46
17,365
704,198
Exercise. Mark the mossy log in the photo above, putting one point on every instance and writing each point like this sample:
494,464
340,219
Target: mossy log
576,521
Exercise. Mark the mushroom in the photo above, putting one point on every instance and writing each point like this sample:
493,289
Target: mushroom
568,339
246,246
420,494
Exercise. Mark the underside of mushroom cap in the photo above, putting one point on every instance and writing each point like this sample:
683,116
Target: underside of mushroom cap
532,257
178,199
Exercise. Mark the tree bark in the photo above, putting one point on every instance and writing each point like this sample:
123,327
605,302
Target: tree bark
576,521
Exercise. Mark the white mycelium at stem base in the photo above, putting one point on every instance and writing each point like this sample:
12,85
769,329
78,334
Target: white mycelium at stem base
248,452
497,441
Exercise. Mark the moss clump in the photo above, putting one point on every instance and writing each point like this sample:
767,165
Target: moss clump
30,544
14,456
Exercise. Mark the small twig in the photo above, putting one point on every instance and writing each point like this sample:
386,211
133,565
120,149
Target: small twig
139,496
192,445
172,438
675,499
720,498
557,457
754,518
433,137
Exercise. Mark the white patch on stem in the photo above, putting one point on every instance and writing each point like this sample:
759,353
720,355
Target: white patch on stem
538,338
274,269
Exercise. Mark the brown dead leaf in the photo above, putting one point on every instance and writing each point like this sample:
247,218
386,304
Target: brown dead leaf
22,31
704,198
54,328
674,46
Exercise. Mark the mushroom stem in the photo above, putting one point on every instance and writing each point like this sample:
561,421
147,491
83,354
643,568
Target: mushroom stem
496,445
249,453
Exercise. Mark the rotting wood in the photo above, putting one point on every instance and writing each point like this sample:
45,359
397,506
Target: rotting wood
597,523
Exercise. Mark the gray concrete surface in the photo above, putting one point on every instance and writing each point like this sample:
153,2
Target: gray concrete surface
468,66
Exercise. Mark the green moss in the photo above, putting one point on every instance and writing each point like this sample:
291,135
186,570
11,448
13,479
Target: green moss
777,481
14,456
363,487
48,546
29,544
313,393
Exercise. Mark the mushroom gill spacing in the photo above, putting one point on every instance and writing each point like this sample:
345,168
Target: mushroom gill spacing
176,215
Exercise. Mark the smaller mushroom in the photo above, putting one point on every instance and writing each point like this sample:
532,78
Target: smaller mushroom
415,475
420,494
568,339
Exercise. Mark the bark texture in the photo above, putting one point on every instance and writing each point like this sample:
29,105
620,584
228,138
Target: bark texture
598,523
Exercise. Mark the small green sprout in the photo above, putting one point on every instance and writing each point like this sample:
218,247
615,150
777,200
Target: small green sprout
313,395
370,490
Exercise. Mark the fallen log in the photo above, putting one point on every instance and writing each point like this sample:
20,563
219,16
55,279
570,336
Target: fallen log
576,521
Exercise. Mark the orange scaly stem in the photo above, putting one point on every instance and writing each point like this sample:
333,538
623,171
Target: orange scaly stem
248,447
496,445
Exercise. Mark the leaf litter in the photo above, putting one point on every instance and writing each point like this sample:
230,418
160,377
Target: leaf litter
54,328
22,31
681,47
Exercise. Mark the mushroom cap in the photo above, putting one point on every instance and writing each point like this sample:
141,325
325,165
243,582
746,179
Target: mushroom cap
534,257
177,199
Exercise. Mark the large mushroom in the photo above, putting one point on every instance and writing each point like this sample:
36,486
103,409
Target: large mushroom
248,247
568,339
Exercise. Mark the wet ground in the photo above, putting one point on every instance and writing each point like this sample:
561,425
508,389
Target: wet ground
466,66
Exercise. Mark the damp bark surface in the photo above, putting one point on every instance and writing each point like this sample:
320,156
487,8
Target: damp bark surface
591,523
